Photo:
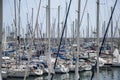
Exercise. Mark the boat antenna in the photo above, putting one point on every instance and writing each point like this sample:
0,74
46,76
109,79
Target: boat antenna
104,38
62,36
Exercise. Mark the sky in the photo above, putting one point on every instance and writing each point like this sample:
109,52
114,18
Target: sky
27,5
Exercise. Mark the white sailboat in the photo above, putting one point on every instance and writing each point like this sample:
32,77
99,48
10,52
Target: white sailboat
85,66
71,67
116,59
4,74
36,68
36,71
18,72
61,68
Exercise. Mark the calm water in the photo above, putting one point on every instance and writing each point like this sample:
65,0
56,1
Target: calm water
105,74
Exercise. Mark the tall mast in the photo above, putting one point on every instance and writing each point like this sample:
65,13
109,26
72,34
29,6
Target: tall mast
78,41
73,31
103,29
32,19
49,23
27,30
19,19
49,54
53,33
76,28
1,21
62,25
111,32
58,24
88,24
15,23
15,19
83,34
18,37
97,29
46,21
37,37
66,27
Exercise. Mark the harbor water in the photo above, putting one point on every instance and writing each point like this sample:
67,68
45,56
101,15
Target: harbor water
105,74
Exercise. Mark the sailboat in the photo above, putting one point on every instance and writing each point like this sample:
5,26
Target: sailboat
61,68
18,72
36,69
116,58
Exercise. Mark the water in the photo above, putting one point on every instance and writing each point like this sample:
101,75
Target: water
105,74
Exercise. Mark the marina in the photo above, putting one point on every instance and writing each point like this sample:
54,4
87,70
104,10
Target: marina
59,40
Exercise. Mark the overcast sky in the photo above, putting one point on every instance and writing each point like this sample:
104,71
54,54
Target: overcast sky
27,5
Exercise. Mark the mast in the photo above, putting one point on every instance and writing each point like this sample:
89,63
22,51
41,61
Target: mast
53,33
73,32
15,19
49,23
37,33
58,24
1,21
103,29
32,19
31,27
118,38
111,33
62,25
49,53
19,21
46,21
27,29
40,35
97,29
88,24
15,23
76,28
66,27
18,37
78,45
83,34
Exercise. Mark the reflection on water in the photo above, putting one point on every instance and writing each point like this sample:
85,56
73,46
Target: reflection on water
62,77
106,74
39,78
